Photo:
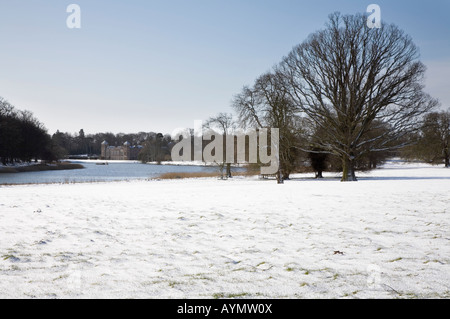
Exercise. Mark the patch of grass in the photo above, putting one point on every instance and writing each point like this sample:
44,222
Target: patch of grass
11,258
188,175
222,295
185,175
350,294
172,284
242,294
434,261
60,277
199,276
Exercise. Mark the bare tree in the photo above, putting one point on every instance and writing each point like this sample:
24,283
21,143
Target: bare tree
350,80
433,140
267,105
440,129
225,123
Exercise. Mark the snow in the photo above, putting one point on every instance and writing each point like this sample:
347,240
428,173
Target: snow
386,236
174,163
20,164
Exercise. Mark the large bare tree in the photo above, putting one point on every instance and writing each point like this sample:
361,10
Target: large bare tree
352,82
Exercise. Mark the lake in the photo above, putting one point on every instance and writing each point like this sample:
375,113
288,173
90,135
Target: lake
114,171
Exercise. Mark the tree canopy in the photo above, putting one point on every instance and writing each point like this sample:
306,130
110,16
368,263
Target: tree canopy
22,137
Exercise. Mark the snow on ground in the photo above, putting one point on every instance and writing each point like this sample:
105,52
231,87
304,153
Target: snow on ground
19,164
386,236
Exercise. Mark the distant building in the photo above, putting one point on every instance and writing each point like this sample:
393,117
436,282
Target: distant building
117,153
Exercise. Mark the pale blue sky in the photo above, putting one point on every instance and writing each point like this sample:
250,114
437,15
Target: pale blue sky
157,65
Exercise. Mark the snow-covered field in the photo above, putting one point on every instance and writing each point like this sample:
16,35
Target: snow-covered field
386,236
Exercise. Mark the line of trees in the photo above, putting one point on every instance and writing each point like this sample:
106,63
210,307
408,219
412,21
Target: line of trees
154,145
22,137
431,143
347,92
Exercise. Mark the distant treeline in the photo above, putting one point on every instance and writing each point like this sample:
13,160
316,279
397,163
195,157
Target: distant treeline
22,137
155,146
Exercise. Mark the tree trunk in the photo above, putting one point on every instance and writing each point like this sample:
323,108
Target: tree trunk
221,167
447,161
319,174
348,171
280,179
229,170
